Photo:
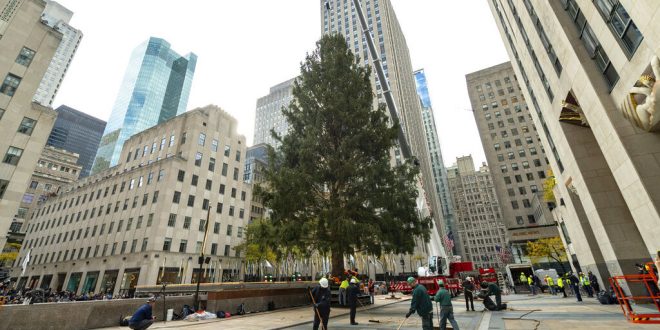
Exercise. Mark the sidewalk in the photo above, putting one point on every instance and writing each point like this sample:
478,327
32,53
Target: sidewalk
279,319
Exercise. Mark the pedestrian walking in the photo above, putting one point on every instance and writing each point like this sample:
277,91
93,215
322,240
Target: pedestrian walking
468,292
342,291
560,285
142,318
594,282
421,303
551,284
352,293
574,282
372,291
443,297
321,294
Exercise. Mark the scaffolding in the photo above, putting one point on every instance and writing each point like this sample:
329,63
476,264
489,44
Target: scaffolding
646,307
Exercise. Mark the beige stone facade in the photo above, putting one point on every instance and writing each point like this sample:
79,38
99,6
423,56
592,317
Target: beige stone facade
143,221
26,48
586,67
515,155
479,218
56,169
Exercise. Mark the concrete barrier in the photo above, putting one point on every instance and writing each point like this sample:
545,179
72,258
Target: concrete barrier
106,313
80,314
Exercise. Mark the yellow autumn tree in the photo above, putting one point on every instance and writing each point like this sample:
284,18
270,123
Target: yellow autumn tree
548,187
551,248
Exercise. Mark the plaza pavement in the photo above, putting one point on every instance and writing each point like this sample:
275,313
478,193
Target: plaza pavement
542,312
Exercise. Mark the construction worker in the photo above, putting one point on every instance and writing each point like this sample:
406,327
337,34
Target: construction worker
594,282
322,296
560,285
530,282
443,297
468,291
584,280
421,303
352,293
574,283
342,291
523,279
551,284
492,289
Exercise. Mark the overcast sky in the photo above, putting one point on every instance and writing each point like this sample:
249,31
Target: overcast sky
245,47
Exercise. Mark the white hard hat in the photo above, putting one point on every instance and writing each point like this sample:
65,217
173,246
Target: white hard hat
323,282
353,280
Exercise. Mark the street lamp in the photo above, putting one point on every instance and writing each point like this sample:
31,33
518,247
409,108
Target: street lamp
201,260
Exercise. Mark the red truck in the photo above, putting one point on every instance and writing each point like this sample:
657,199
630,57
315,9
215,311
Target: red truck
452,282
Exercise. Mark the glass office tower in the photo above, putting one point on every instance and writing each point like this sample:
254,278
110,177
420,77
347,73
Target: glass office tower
77,132
156,88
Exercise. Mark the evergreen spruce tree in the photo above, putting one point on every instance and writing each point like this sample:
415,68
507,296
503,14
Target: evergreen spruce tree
331,184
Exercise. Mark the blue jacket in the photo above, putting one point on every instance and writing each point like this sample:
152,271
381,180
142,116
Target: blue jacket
143,313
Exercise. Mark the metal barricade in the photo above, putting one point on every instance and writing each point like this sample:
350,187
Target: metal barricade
626,300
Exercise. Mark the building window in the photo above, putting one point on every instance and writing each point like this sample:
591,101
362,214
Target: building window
27,126
227,247
202,225
519,220
214,145
198,159
209,184
194,180
514,205
202,139
171,222
181,176
167,244
177,197
172,139
186,222
620,23
191,200
229,230
216,228
225,166
13,155
526,203
155,198
25,56
214,248
144,244
211,164
183,246
218,208
10,84
533,188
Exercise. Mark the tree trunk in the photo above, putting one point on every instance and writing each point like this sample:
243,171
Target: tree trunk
337,264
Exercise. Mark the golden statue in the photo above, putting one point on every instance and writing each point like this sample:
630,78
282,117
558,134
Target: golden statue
641,105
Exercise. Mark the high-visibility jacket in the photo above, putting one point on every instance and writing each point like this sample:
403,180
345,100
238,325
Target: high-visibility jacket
550,281
560,282
530,280
523,278
585,280
344,284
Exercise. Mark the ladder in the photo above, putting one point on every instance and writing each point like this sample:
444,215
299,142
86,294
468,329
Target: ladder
502,283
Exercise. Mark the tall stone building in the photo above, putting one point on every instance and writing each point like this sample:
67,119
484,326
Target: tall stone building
479,218
155,88
58,17
515,155
435,154
27,46
77,132
56,169
588,69
143,221
256,162
339,16
269,113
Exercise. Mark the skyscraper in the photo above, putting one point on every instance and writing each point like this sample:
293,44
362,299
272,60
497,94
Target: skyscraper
58,17
435,154
339,16
269,113
27,47
156,87
479,219
514,152
77,132
588,70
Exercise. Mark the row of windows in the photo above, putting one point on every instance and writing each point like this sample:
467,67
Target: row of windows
515,167
176,199
83,215
519,179
523,190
